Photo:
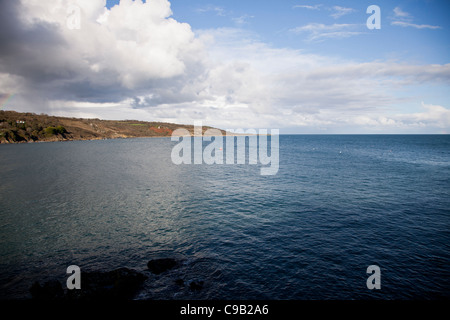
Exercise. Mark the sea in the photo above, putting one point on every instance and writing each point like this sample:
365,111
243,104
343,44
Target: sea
337,205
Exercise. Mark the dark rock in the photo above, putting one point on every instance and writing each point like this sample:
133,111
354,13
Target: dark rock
158,266
179,282
196,285
51,290
119,284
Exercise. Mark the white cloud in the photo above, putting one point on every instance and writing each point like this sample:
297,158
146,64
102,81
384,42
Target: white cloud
400,13
319,31
404,19
341,11
135,46
417,26
315,27
338,11
135,42
242,20
220,11
432,116
314,7
435,115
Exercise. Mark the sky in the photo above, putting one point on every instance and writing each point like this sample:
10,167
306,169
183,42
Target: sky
301,66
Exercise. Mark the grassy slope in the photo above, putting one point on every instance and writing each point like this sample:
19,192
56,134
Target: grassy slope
50,128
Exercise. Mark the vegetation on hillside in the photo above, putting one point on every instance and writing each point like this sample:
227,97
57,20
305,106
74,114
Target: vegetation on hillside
28,127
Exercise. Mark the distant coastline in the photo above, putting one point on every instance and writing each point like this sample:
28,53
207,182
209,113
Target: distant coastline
17,127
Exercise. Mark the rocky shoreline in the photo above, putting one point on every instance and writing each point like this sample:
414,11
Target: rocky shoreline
119,284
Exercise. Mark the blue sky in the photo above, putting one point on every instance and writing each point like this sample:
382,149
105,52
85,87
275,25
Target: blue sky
274,22
302,66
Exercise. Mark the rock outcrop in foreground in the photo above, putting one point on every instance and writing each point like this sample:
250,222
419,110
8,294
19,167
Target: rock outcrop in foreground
119,284
158,266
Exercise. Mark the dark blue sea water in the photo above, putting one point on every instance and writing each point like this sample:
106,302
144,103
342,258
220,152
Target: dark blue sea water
338,204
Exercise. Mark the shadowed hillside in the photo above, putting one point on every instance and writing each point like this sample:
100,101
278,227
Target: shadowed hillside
28,127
